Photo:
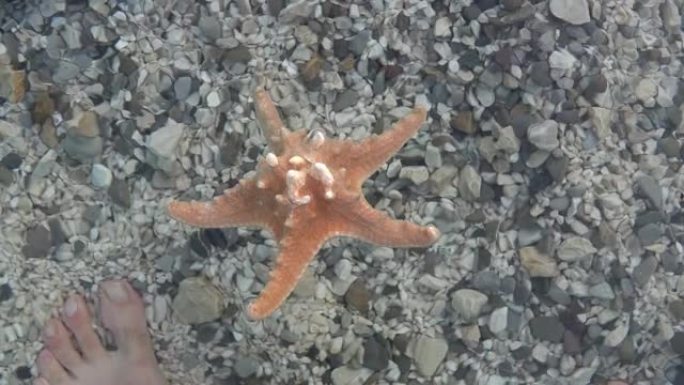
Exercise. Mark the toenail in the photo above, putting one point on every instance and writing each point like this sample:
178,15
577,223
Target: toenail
115,291
70,307
40,381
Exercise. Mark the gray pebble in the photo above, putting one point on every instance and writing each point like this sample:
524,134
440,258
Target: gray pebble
544,135
650,234
644,271
649,188
547,328
345,99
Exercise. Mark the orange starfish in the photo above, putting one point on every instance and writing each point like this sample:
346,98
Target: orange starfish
306,191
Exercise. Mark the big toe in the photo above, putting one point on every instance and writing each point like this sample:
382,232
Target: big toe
123,313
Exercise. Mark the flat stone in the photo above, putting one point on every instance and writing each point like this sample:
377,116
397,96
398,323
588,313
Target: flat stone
164,140
375,354
345,99
197,301
359,42
12,161
9,130
464,121
358,297
646,90
345,375
602,290
210,26
13,86
498,320
536,263
38,242
468,304
571,11
428,354
574,249
547,328
246,366
416,174
469,183
544,135
601,119
649,188
182,87
100,176
119,193
643,272
677,343
650,234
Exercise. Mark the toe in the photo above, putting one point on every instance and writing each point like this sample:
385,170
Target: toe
40,381
123,313
50,369
77,318
58,341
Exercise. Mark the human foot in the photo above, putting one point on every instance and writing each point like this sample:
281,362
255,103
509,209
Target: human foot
83,360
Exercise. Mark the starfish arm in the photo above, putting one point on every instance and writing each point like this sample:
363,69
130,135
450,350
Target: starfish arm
363,222
370,154
267,115
296,250
242,205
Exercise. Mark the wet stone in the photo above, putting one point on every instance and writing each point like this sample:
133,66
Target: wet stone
12,161
6,292
547,328
358,297
644,271
38,242
119,193
346,99
650,234
375,353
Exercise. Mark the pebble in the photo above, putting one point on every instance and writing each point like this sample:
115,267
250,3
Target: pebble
428,353
12,161
38,242
345,99
644,271
416,174
574,249
498,320
345,375
210,26
649,188
9,129
617,335
245,366
602,290
677,343
544,135
468,303
6,292
359,42
469,183
650,234
571,11
547,328
213,99
375,354
197,301
100,176
646,90
536,263
358,297
119,193
182,87
465,122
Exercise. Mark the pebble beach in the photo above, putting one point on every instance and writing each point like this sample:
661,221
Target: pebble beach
551,161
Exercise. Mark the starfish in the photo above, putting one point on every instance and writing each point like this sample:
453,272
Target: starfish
306,191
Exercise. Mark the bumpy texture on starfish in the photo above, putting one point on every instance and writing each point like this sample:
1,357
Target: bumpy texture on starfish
306,191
